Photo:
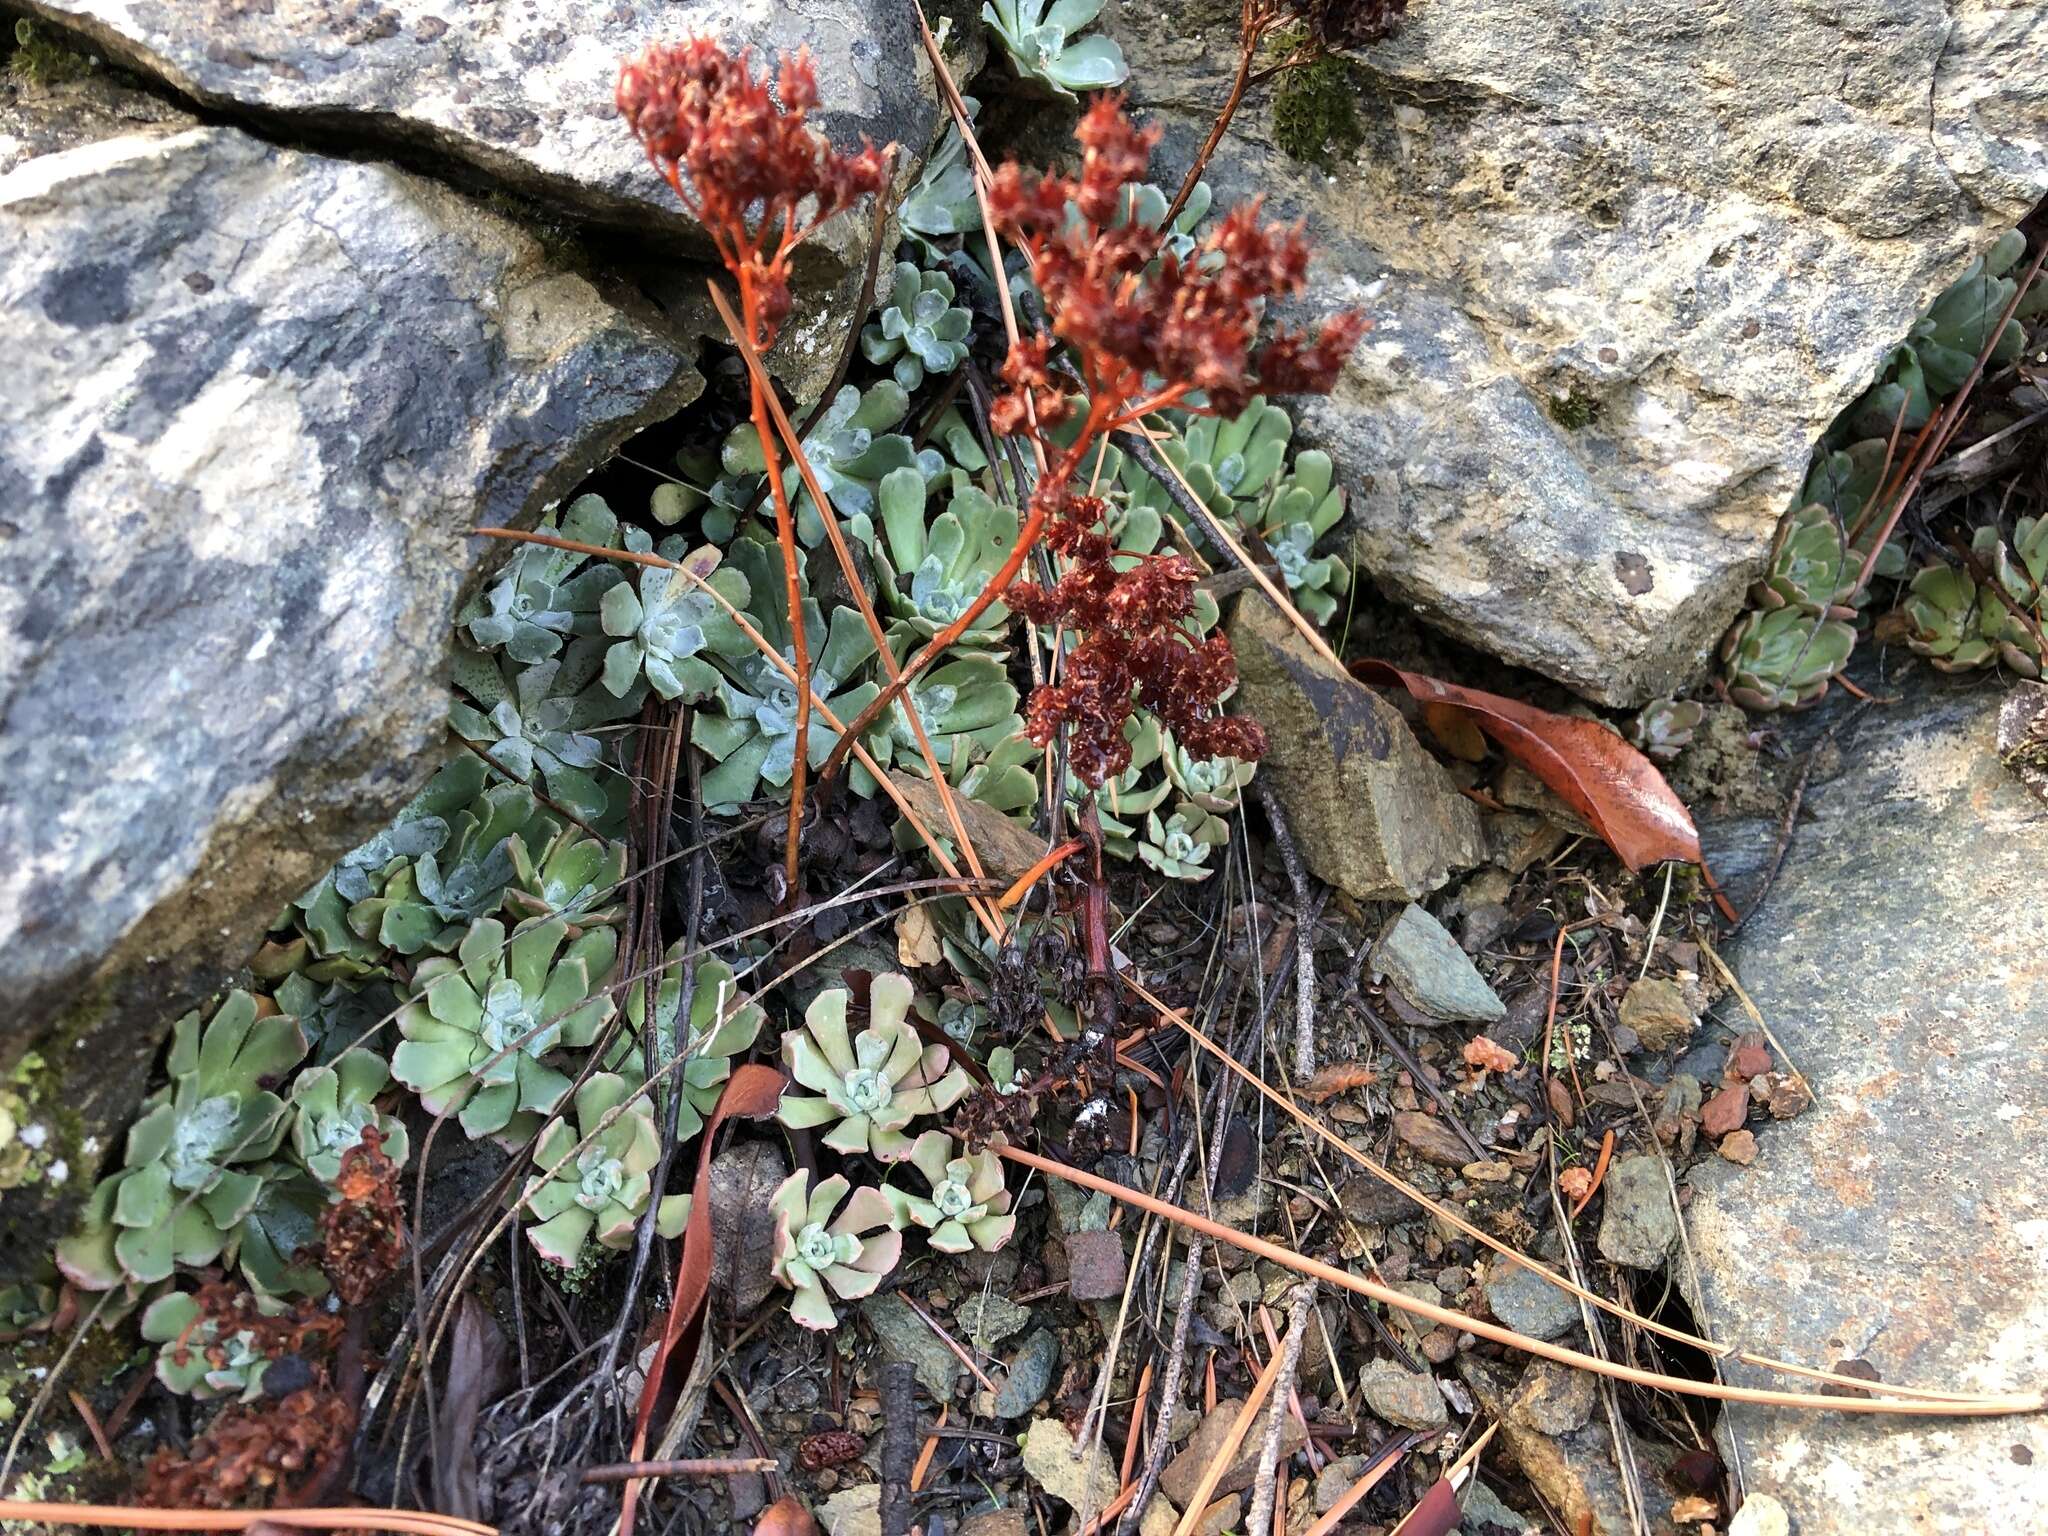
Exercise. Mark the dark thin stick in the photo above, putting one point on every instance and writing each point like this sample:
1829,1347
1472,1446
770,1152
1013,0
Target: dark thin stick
1304,940
696,1466
1422,1079
1260,1521
899,1445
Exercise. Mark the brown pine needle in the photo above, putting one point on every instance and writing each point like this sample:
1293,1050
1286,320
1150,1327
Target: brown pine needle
1923,1407
333,1519
1226,1453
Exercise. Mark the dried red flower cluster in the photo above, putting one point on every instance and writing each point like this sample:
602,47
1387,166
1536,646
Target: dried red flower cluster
258,1450
303,1330
743,162
1148,330
363,1231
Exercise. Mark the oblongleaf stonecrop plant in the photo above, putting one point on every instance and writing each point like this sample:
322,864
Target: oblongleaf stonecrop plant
751,171
872,1084
1133,313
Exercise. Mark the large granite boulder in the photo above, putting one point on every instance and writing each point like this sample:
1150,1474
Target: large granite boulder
255,399
516,95
1900,957
1625,261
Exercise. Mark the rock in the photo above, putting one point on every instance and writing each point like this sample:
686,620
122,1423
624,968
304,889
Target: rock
988,1320
1335,1480
1529,1304
1657,1011
1429,1138
1553,1398
258,397
1573,1473
1760,1515
1726,1110
1220,1516
1407,1399
1425,963
997,1522
1030,1375
41,117
1739,1147
853,1512
744,1178
1095,1266
2023,736
1052,1461
1637,1223
1372,811
1184,1473
1593,384
1902,1223
1485,1515
906,1336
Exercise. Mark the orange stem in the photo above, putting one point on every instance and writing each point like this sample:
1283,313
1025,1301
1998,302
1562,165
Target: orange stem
1599,1173
1038,871
331,1519
792,585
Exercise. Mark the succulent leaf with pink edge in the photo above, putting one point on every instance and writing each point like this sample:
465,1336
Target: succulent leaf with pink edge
814,1249
602,1190
968,1206
873,1084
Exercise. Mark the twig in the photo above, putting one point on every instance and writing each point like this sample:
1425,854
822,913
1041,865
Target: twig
899,1445
1423,1080
1304,940
688,1466
1377,1466
1958,1405
346,1519
1791,817
959,1352
1226,1453
1260,1521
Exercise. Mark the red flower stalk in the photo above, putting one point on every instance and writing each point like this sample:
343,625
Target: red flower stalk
1147,330
746,165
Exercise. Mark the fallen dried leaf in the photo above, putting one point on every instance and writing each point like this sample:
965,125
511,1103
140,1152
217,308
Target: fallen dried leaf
1575,1184
786,1517
1489,1055
1006,848
917,938
1601,777
744,1178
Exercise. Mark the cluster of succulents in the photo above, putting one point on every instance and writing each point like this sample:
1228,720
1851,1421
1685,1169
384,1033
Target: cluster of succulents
1663,728
1042,42
1801,627
851,448
1944,344
1991,613
597,1174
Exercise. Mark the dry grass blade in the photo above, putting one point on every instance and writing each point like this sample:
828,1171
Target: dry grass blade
1226,1453
829,516
241,1519
1929,1406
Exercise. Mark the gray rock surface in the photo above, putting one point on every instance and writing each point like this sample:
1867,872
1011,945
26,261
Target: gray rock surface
1637,1223
1625,262
1429,968
1409,1399
255,398
1528,1303
1373,813
515,96
1898,1221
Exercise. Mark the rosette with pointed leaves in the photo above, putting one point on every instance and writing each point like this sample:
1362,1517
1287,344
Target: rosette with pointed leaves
190,1172
751,731
1664,727
943,202
575,876
920,329
968,1207
967,706
930,571
662,626
1179,846
814,1249
723,1025
422,828
1040,37
543,596
1214,783
872,1084
602,1190
537,723
482,1022
196,1358
431,901
335,1016
850,450
1784,658
330,1107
